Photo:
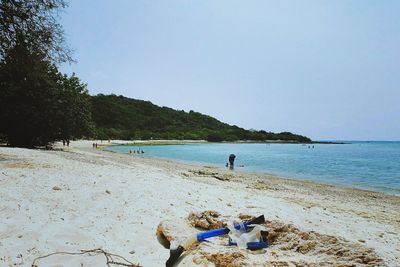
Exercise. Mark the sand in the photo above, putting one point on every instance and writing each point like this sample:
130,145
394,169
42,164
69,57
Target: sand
83,199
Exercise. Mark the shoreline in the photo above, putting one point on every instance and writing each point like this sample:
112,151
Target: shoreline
82,198
184,142
274,182
171,163
239,169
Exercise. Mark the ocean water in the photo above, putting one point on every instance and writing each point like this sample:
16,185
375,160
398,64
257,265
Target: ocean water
366,165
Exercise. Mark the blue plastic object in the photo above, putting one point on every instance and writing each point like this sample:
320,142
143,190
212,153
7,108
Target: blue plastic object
252,245
221,231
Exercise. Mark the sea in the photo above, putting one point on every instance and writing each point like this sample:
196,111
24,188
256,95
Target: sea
372,165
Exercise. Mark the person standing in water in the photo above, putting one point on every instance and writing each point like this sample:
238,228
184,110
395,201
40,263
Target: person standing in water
231,160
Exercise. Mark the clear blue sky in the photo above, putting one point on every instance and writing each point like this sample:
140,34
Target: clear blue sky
325,69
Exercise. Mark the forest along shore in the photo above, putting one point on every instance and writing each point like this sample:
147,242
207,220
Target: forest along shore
83,198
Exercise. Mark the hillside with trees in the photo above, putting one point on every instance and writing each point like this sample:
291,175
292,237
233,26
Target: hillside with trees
119,117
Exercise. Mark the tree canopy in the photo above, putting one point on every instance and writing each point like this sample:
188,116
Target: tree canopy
37,103
33,23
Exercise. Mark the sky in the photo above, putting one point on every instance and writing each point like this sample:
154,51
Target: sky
329,70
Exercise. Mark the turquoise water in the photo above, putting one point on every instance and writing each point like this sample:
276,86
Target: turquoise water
367,165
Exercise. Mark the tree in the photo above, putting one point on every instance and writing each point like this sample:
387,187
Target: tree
73,108
214,137
27,97
39,105
33,23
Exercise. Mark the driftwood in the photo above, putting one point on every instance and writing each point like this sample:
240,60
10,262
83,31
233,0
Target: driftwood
111,259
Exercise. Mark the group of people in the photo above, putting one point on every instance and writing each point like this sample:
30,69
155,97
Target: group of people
94,145
65,142
139,151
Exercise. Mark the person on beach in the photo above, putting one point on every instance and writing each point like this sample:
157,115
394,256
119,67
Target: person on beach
231,160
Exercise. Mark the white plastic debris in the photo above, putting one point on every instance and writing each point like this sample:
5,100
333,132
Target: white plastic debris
240,237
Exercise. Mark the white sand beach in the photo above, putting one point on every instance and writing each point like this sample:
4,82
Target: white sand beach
83,199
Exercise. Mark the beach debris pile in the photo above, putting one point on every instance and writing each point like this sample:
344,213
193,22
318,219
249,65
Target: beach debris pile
288,240
207,220
208,173
288,245
263,185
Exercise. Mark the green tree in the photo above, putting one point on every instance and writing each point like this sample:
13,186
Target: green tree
33,23
27,97
214,137
38,105
73,109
